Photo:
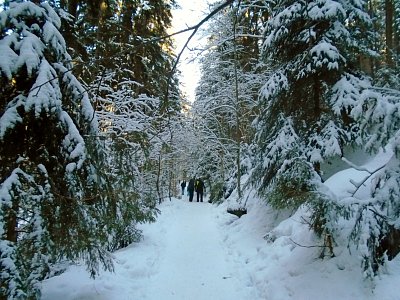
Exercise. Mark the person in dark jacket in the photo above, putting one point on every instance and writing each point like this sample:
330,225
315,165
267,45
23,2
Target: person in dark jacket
199,187
190,189
183,185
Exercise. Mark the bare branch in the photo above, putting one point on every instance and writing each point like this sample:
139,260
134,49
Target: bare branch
358,185
195,28
312,246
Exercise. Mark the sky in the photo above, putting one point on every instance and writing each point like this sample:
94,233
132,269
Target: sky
198,251
190,13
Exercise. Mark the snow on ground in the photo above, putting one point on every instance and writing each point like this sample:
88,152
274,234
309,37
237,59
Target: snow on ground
182,256
278,269
198,251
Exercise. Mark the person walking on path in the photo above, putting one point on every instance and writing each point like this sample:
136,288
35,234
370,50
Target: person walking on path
183,185
199,187
190,189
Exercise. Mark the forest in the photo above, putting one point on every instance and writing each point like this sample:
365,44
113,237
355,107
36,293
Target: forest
95,131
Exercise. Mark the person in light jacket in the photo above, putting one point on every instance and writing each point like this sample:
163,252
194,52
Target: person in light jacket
183,185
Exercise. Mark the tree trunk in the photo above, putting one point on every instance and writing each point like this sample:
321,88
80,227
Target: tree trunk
396,33
389,10
237,111
158,178
317,113
128,10
12,223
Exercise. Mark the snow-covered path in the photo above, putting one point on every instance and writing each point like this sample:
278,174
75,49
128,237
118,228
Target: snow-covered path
194,264
182,256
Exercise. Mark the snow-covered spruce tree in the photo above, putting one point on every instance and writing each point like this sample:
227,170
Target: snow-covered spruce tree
226,94
311,46
376,232
49,186
374,105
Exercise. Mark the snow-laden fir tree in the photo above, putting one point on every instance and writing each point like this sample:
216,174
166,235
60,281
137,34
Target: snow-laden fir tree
50,188
376,231
304,119
317,101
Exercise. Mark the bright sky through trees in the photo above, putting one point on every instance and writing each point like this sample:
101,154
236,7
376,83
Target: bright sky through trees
189,14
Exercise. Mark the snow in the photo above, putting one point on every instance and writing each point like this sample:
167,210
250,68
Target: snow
199,251
274,85
182,256
318,10
45,94
325,53
6,189
53,37
7,56
73,142
78,92
31,51
10,117
279,147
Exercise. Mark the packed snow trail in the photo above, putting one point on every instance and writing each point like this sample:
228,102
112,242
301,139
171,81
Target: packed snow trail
181,257
194,251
